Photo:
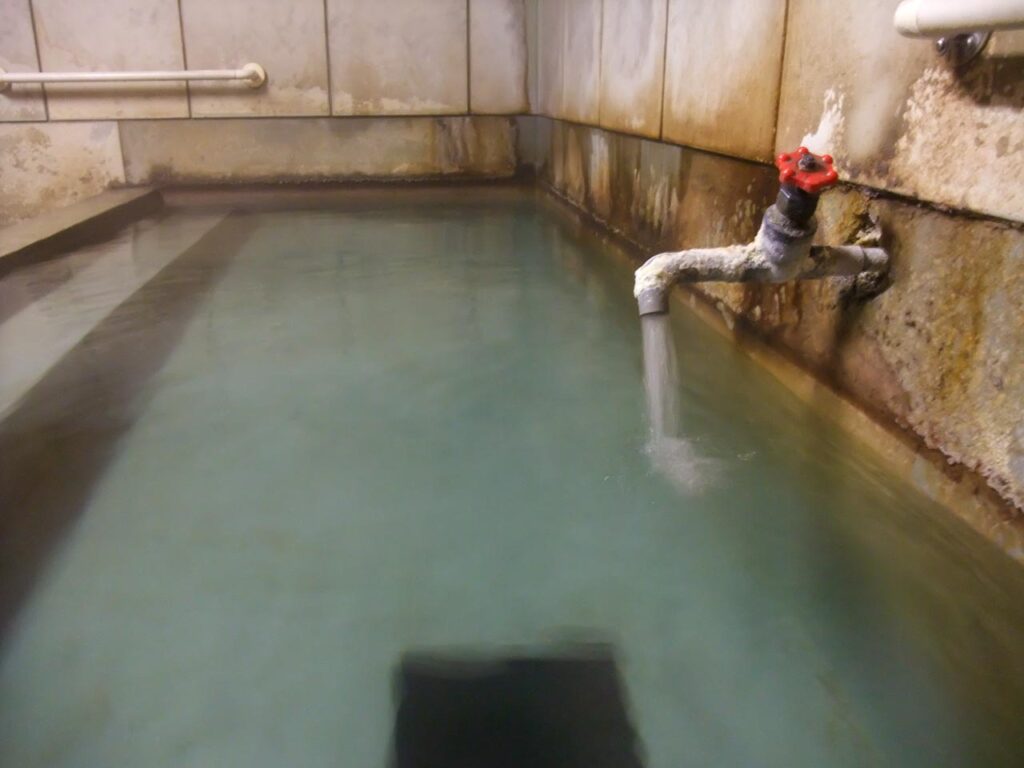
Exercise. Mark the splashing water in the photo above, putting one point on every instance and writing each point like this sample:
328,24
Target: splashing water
671,455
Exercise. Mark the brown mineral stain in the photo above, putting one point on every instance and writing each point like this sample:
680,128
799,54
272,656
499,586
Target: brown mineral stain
926,355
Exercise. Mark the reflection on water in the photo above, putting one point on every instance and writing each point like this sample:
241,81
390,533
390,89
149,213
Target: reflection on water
318,440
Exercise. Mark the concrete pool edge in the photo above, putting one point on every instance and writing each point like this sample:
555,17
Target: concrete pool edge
956,487
65,228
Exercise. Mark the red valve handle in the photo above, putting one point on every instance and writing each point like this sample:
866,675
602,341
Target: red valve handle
810,172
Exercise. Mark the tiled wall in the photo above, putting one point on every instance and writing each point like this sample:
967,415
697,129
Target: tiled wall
749,78
433,60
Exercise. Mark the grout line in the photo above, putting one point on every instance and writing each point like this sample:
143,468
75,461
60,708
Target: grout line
642,137
562,59
536,109
664,71
526,53
120,146
600,60
469,63
184,58
782,74
39,59
327,50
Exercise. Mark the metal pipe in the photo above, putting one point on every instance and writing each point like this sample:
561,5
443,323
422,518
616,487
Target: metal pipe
252,74
935,18
747,264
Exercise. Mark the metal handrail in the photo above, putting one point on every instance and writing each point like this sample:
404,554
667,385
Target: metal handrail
933,18
253,74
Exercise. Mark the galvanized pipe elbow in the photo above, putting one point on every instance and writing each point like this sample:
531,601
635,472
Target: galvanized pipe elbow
751,263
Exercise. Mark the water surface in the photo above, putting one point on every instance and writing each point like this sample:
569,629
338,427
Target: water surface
325,471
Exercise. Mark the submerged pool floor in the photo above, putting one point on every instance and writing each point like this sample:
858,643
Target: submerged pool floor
367,483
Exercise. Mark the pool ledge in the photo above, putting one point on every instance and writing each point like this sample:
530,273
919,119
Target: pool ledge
67,227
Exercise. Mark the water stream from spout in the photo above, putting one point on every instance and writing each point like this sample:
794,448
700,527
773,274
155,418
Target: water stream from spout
661,376
671,455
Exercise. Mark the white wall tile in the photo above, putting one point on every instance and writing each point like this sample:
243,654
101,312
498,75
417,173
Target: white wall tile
632,63
286,38
91,35
398,57
582,64
550,56
722,74
497,56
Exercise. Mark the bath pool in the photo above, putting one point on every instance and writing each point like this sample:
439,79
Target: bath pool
255,461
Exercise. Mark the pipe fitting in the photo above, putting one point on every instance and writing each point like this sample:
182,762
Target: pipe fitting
652,301
782,250
784,242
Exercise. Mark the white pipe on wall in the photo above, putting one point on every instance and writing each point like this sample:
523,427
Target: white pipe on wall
253,74
936,18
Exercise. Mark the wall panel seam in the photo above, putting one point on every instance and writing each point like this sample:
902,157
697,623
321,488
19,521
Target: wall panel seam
327,53
120,149
782,74
184,57
600,60
39,58
469,63
664,71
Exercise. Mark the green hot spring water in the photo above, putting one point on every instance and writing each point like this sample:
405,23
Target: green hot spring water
370,481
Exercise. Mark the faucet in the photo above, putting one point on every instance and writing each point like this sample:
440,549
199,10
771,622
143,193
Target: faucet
782,249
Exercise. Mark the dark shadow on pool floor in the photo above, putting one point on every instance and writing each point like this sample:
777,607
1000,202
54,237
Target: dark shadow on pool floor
57,442
564,709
